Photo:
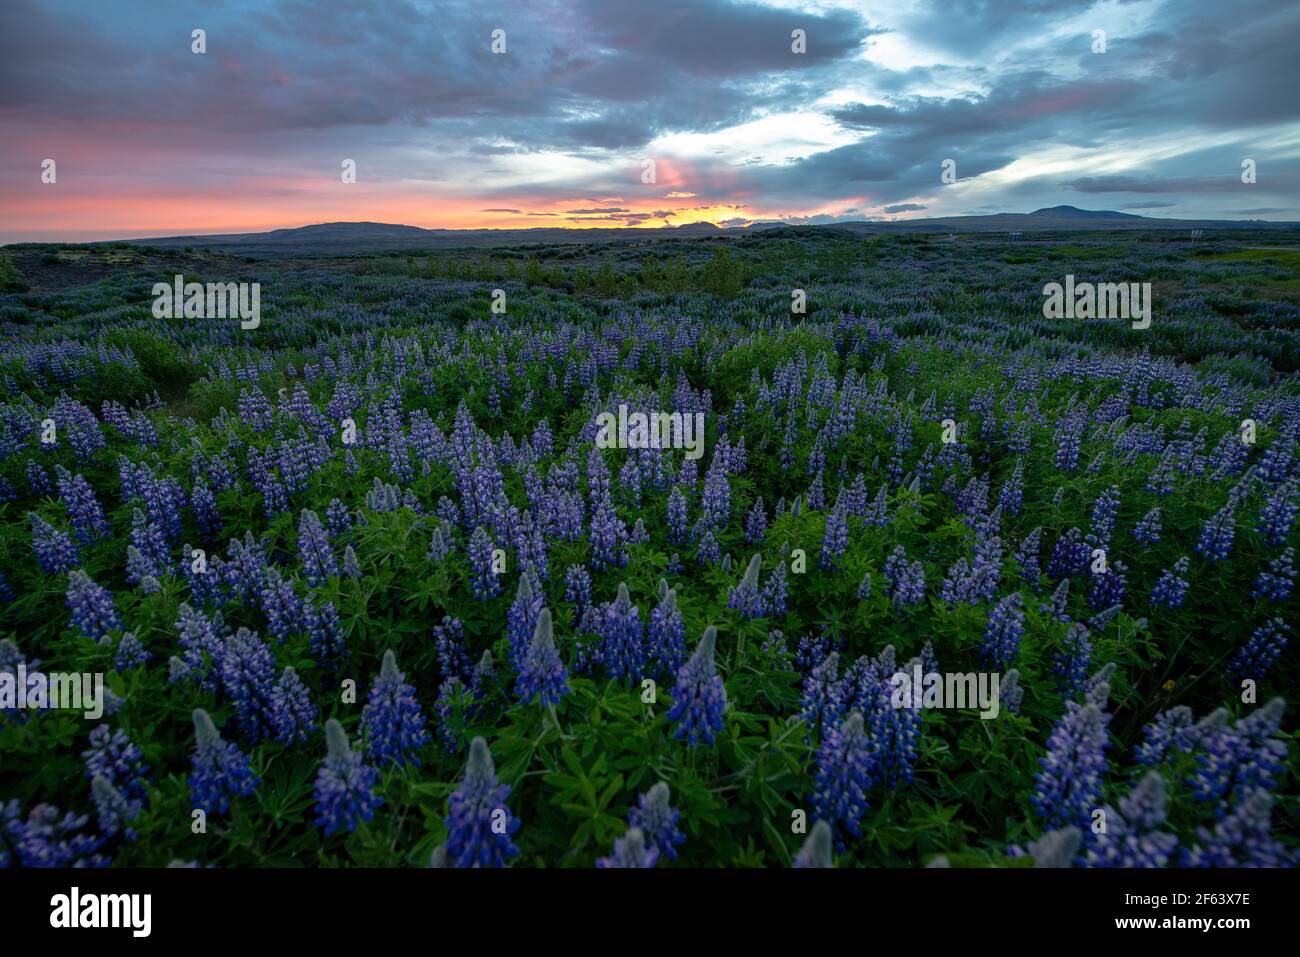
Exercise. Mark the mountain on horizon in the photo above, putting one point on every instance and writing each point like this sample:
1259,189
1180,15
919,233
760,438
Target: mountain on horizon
339,238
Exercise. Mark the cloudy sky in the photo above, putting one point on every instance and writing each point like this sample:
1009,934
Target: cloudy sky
150,138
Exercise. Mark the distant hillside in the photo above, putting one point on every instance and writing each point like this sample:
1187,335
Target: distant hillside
345,238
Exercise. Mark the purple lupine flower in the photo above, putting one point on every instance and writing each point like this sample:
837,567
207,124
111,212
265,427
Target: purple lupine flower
708,550
1243,838
291,713
247,670
394,726
1069,557
1104,511
1170,732
846,765
1069,785
608,533
54,549
478,822
206,514
755,522
1108,587
483,577
776,592
325,631
93,613
816,850
699,698
1012,497
84,511
906,579
449,642
48,839
1171,590
630,850
1006,626
115,758
116,810
666,635
131,653
338,517
542,674
1233,760
1010,694
1218,533
521,620
745,597
219,771
657,819
281,604
1279,513
822,700
1071,664
1276,583
622,635
1147,531
1027,557
351,567
1255,659
836,537
577,589
318,561
1131,837
344,788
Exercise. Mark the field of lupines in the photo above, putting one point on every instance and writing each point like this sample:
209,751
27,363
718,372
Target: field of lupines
365,590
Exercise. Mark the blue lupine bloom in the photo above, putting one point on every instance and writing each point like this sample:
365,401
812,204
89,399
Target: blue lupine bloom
1241,839
1069,557
846,765
630,850
1069,785
657,819
822,702
816,850
449,642
1108,587
1171,589
745,597
776,592
392,720
1027,557
1168,733
84,511
836,537
755,522
54,549
521,619
291,712
351,567
542,674
699,698
131,653
1070,665
483,579
49,839
219,771
113,759
1131,837
344,788
325,630
906,579
206,515
1010,694
1147,531
577,589
1279,513
608,533
280,603
479,824
93,613
247,670
1006,626
708,551
1218,533
1232,761
318,561
1276,583
1255,659
1104,511
666,636
116,810
622,649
